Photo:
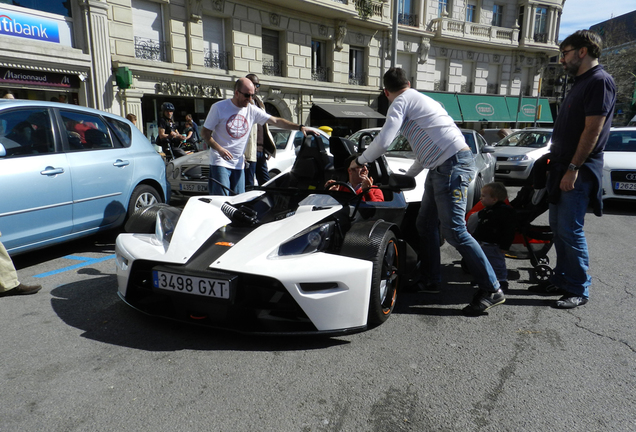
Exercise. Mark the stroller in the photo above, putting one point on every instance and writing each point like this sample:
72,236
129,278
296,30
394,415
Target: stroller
531,242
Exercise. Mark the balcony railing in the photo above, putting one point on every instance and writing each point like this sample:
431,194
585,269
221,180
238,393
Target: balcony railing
149,49
407,19
541,37
440,85
319,74
216,59
273,68
368,8
446,27
356,79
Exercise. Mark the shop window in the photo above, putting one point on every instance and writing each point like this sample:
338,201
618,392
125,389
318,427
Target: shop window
26,132
85,132
148,29
214,53
272,64
58,7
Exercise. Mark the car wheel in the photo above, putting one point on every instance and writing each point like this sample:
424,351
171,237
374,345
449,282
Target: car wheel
384,282
143,196
143,220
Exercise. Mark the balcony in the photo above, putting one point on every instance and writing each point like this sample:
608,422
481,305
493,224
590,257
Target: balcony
357,79
273,68
149,49
216,59
320,74
446,28
407,19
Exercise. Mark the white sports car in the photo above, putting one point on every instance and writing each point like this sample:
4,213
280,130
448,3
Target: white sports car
287,258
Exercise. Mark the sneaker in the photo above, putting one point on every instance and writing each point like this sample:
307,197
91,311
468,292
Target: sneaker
484,300
427,287
549,289
569,301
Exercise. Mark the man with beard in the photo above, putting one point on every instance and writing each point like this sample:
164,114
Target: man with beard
576,163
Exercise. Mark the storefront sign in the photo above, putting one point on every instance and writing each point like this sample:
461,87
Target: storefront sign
186,89
28,26
38,78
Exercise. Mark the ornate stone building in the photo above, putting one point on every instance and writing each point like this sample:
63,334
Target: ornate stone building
319,61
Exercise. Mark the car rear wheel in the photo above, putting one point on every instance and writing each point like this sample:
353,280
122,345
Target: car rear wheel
384,282
143,196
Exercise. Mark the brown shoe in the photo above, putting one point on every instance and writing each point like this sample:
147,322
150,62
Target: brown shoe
22,289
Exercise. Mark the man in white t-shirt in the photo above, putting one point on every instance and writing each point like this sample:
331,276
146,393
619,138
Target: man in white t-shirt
439,145
226,131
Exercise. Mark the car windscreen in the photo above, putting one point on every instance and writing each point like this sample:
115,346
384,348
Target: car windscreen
530,139
281,136
624,141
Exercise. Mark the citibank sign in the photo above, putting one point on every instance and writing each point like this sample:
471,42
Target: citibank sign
28,26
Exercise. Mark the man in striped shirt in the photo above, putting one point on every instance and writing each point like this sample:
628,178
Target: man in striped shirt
438,145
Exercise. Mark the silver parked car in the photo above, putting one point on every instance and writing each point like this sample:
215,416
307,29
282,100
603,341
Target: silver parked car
517,152
69,171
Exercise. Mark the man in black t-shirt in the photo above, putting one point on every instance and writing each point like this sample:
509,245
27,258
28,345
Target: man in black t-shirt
169,137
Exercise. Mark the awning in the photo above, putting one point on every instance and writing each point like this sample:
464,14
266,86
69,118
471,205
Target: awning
484,108
527,109
448,101
350,111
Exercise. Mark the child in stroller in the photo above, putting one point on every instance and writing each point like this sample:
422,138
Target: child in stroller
531,242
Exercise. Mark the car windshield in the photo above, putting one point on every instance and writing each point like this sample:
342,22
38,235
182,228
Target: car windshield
531,139
356,136
281,136
624,141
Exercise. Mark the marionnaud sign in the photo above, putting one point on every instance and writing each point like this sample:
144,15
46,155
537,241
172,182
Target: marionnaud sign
28,26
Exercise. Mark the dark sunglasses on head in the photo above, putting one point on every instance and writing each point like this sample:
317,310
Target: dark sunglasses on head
247,95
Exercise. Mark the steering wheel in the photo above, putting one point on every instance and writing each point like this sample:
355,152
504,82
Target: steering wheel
345,184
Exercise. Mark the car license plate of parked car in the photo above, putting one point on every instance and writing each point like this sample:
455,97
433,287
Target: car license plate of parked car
624,186
193,187
207,287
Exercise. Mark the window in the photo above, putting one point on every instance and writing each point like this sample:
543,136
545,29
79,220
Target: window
356,66
540,25
58,7
405,13
319,70
272,64
471,12
440,74
86,131
121,130
497,15
445,5
26,132
215,55
148,30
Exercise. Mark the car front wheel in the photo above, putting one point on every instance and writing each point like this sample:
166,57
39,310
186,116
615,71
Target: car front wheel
143,196
384,282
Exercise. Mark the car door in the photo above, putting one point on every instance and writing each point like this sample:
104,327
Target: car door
36,194
101,170
485,161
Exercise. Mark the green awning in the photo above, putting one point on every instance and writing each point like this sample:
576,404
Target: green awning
484,108
527,109
449,102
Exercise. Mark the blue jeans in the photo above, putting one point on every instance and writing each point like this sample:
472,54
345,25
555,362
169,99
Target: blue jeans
444,204
262,174
233,179
566,221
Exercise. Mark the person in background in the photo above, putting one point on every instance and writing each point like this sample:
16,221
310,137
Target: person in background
495,229
579,136
265,146
168,135
8,94
193,138
9,283
439,145
132,118
226,131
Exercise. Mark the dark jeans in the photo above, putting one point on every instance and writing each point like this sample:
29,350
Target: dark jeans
262,174
250,171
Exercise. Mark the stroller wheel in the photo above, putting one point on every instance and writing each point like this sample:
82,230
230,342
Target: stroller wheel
544,260
542,272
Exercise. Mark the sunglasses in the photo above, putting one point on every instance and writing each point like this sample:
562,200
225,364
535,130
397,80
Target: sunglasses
247,95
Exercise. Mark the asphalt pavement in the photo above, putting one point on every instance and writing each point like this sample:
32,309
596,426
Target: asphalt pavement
75,358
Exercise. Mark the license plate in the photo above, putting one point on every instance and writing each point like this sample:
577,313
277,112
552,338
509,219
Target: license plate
624,186
193,187
207,287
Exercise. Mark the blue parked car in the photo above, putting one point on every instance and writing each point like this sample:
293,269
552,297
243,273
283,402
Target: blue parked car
68,171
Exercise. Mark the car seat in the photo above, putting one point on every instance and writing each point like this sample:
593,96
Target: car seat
308,171
97,139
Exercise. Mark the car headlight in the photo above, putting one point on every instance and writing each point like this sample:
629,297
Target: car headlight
166,223
314,239
518,158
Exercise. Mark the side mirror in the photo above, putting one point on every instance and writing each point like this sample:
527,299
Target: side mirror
401,182
488,149
3,151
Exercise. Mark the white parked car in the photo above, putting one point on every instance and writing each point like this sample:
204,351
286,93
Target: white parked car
287,144
516,153
619,165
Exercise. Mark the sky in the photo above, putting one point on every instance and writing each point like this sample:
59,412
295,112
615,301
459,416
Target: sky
582,14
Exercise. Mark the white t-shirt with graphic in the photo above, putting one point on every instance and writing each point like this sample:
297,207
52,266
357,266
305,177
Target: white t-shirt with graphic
231,126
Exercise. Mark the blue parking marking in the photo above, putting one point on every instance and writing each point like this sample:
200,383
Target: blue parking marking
85,262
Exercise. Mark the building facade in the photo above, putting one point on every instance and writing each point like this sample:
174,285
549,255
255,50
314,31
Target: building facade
129,56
